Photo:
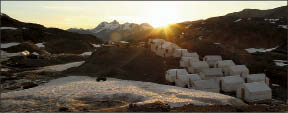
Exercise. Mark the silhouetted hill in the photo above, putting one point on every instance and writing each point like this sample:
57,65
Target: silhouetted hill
55,40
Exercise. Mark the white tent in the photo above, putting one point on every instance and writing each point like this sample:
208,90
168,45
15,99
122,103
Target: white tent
155,43
167,49
194,54
225,64
184,61
149,41
186,80
241,70
212,59
196,67
172,74
231,83
253,92
257,78
210,73
210,85
180,52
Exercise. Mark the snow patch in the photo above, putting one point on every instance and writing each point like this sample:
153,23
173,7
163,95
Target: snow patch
7,45
35,53
238,20
188,26
60,67
200,37
126,26
67,89
283,26
40,45
5,69
275,85
254,50
124,42
8,28
96,45
280,63
86,53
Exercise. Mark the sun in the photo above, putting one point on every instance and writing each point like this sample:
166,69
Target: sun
162,16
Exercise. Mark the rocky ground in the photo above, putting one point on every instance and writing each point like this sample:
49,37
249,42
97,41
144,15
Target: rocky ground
126,64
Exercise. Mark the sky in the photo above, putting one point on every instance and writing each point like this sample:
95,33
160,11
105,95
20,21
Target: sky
88,14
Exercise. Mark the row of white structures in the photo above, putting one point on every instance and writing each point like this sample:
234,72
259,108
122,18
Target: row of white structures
212,74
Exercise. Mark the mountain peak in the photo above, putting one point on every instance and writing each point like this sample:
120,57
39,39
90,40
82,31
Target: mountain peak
114,22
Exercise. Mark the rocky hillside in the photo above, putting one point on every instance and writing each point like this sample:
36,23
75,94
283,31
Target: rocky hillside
230,36
55,40
239,30
115,31
270,13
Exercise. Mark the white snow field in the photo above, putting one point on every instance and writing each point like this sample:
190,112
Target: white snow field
68,89
60,67
7,45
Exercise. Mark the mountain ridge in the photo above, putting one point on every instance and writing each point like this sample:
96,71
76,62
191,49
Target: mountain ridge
104,30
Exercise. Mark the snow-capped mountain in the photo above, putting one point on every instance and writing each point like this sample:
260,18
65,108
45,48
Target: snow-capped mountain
125,31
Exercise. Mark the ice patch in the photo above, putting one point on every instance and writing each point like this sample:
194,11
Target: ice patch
67,89
7,45
40,45
254,50
9,28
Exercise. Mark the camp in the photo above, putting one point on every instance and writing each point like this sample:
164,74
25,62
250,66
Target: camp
254,92
179,52
194,54
241,70
210,73
172,74
155,43
186,80
231,83
184,61
257,78
212,59
167,49
210,85
196,67
224,64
